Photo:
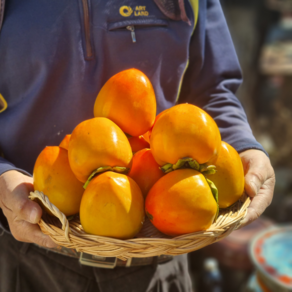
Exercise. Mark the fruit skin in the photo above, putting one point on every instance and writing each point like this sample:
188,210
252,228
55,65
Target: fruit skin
148,134
185,131
146,137
229,176
145,171
138,143
181,202
128,99
53,176
95,143
113,206
65,142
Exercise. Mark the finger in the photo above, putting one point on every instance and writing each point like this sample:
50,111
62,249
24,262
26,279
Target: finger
260,202
254,179
27,232
21,206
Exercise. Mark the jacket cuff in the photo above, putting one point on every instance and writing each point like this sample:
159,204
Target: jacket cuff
245,144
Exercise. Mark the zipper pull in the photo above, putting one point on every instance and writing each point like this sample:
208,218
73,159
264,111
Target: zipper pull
131,28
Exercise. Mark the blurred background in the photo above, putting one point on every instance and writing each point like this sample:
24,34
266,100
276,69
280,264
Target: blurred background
262,35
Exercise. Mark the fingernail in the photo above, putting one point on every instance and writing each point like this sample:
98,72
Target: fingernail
254,187
33,218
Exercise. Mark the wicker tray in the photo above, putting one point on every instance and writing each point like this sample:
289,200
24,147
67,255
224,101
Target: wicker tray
149,242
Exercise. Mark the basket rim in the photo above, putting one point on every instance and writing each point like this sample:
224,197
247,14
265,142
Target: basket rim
219,227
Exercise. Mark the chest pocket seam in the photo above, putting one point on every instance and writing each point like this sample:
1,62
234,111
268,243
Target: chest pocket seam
137,22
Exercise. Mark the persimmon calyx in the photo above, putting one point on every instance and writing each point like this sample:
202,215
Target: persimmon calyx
207,169
119,169
150,216
214,191
189,162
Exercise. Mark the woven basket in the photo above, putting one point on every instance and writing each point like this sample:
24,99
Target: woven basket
149,242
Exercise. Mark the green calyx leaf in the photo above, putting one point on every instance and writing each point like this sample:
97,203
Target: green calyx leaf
120,169
194,165
149,216
210,169
102,169
214,191
166,168
188,162
181,163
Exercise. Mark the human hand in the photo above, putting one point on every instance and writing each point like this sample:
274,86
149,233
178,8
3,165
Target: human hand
22,214
259,183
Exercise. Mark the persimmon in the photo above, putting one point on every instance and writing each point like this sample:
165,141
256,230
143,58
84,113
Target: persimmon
138,143
65,142
181,202
144,170
185,131
53,176
148,134
147,137
98,143
113,206
128,99
229,176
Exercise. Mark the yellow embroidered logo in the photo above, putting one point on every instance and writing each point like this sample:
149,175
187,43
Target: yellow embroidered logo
3,104
139,11
126,11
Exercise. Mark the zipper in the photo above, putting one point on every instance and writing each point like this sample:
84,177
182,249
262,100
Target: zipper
133,25
131,28
86,22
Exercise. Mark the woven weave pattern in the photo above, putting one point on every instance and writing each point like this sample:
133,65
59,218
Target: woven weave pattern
149,242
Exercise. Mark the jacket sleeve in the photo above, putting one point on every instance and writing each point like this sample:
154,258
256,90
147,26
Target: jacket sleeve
214,75
6,166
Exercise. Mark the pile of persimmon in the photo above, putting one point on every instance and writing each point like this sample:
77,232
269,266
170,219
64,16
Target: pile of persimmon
126,162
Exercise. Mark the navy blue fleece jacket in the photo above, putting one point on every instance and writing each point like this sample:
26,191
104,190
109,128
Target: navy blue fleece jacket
56,55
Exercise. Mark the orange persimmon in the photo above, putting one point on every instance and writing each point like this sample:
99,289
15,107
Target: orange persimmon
145,171
96,143
112,205
181,202
138,143
53,176
128,99
148,134
229,176
65,142
146,137
185,131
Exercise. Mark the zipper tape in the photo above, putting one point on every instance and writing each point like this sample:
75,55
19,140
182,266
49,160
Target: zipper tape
137,22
